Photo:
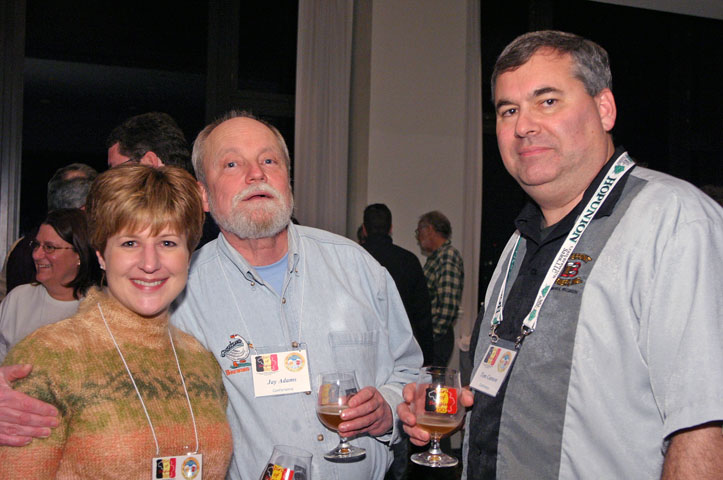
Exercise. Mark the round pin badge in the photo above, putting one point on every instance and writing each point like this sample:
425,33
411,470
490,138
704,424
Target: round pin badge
294,362
190,468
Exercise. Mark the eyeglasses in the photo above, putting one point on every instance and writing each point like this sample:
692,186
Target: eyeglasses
418,229
49,249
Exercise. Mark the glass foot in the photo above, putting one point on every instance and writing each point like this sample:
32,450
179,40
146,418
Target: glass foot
345,453
434,459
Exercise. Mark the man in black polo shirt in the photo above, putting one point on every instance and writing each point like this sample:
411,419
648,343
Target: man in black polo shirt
599,352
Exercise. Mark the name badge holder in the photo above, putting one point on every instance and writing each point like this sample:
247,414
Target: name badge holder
179,467
281,371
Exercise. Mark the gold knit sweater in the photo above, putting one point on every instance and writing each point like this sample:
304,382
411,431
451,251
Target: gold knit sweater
103,431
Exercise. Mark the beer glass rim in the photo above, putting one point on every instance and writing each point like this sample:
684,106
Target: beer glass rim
293,451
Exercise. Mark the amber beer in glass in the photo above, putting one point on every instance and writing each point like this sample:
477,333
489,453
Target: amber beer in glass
438,411
335,390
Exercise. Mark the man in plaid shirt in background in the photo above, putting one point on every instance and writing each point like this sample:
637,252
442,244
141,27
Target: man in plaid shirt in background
444,271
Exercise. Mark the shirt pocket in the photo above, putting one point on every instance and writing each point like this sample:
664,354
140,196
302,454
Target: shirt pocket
357,352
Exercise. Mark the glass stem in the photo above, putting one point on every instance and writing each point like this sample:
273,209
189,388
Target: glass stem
434,448
344,445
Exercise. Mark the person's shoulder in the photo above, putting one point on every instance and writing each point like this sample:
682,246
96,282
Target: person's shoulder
187,341
671,195
405,254
48,340
27,295
318,235
22,291
331,242
203,256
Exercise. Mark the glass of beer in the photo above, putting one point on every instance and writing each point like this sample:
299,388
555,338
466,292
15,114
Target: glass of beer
335,390
287,463
438,411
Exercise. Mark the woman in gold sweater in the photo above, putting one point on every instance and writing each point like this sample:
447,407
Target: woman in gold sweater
137,397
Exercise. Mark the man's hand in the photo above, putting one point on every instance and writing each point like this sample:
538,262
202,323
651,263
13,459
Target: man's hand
22,418
418,436
368,412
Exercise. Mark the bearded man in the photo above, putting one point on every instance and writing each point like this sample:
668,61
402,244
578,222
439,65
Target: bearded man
277,304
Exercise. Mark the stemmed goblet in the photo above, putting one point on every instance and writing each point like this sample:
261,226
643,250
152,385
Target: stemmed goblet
438,412
335,390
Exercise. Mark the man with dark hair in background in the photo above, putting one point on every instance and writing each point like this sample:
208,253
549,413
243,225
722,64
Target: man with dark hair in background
405,269
67,188
152,138
444,270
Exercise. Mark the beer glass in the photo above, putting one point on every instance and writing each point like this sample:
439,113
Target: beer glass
438,411
335,390
288,463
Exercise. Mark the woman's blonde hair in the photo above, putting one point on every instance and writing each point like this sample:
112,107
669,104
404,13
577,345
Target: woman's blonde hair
133,197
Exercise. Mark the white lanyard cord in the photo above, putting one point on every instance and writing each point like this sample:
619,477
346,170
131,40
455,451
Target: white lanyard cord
614,174
183,382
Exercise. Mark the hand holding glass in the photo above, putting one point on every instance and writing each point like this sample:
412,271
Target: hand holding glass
438,411
335,390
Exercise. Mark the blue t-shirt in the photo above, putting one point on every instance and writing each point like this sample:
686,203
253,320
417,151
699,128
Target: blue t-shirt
274,274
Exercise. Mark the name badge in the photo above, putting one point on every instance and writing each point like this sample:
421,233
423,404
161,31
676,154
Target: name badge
181,467
494,367
281,373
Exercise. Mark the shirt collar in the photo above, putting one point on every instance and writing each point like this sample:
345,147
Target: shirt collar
226,249
439,250
529,221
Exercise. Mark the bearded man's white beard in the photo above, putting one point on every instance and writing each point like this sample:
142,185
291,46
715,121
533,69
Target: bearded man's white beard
259,219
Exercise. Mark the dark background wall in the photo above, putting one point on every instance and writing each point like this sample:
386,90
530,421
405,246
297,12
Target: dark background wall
91,65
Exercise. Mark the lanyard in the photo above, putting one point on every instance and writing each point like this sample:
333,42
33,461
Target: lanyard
613,175
183,382
294,344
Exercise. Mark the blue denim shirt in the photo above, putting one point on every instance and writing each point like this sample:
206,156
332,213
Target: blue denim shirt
352,318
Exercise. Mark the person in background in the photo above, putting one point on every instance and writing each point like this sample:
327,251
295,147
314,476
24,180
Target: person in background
444,270
154,139
67,188
599,352
115,371
408,276
406,271
66,268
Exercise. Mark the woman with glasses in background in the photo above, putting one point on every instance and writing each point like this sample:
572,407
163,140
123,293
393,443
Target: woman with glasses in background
65,268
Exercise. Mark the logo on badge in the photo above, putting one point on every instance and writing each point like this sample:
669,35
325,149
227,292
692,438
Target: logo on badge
267,363
504,362
165,468
491,356
190,468
294,362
